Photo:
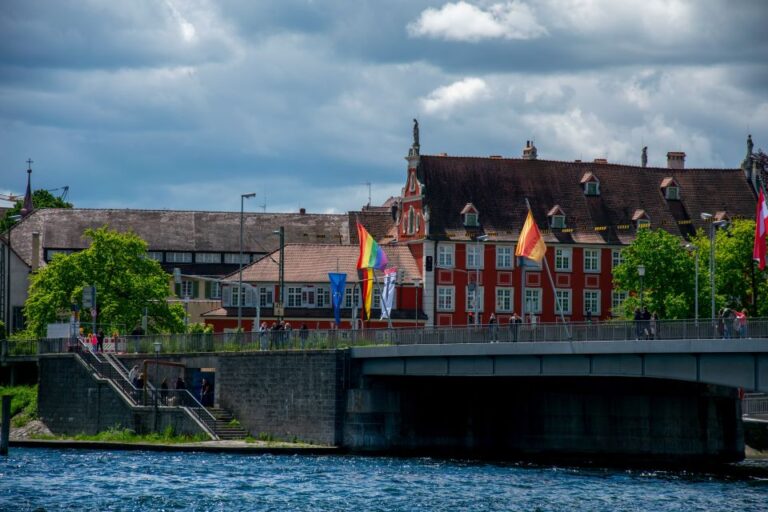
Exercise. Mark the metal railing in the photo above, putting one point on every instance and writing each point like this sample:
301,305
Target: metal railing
754,404
314,339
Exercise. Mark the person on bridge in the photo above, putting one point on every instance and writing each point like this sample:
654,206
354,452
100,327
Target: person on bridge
740,323
100,341
638,323
514,325
492,328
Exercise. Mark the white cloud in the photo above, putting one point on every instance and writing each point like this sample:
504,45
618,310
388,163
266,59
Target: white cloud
443,99
462,21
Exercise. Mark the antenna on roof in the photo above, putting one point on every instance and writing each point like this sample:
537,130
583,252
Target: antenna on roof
264,206
369,192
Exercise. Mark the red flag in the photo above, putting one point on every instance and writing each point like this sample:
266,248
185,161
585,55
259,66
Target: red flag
761,228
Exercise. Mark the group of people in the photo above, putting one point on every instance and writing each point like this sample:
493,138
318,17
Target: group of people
137,379
646,324
279,333
732,323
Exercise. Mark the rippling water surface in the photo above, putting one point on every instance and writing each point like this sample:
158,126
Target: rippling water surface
52,479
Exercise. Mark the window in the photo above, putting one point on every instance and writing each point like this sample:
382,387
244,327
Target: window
186,289
348,298
617,299
215,288
471,298
376,300
474,256
234,258
643,223
503,256
51,252
207,257
445,298
591,260
592,188
470,219
294,297
412,181
533,300
155,255
445,256
265,296
562,259
238,294
178,257
617,258
592,301
564,296
323,297
558,221
672,192
505,299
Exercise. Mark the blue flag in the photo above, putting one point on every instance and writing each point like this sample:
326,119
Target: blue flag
338,283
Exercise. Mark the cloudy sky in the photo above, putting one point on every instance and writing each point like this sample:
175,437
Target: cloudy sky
186,104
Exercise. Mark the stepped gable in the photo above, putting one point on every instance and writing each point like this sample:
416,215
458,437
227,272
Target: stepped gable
498,188
173,230
311,263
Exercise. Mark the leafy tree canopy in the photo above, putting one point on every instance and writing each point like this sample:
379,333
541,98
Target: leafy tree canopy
126,282
40,199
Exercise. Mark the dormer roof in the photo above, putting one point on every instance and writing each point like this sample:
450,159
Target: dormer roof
555,210
469,208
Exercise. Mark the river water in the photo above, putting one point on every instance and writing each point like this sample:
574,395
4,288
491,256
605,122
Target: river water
66,479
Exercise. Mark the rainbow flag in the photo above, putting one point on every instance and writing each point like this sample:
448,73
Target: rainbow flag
371,255
367,282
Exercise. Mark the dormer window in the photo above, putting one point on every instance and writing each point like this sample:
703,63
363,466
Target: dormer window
556,217
670,188
641,219
471,216
591,184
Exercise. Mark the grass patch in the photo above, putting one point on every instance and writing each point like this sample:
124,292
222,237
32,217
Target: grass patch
124,435
23,403
233,423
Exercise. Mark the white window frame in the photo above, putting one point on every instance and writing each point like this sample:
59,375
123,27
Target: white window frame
478,251
187,288
445,255
563,259
505,299
293,297
323,297
592,297
348,298
558,221
237,293
178,257
266,296
155,255
505,257
617,258
471,219
592,188
215,290
565,295
672,192
617,299
233,258
207,257
591,258
532,299
470,307
446,298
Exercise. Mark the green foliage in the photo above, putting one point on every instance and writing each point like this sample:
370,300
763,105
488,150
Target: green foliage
40,199
117,434
200,328
2,330
126,282
669,274
23,403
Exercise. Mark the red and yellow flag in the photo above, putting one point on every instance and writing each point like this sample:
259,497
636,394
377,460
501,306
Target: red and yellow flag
530,244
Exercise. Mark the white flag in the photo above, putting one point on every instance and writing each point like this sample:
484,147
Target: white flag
388,293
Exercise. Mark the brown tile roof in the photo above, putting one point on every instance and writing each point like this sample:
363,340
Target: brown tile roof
172,230
378,222
311,263
499,187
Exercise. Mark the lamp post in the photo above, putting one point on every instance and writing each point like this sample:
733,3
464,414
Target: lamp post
281,269
240,294
641,273
157,354
695,251
712,225
478,259
417,285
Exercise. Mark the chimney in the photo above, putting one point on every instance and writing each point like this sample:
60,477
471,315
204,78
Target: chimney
35,251
601,160
495,157
529,152
675,160
302,211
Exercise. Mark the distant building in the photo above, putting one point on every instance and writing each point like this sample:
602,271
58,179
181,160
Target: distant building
587,212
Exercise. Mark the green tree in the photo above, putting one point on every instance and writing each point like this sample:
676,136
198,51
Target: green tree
669,274
126,282
40,199
736,276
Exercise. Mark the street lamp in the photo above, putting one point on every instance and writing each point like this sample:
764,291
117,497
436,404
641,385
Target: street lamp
478,258
240,294
695,251
157,354
712,225
641,273
417,285
281,269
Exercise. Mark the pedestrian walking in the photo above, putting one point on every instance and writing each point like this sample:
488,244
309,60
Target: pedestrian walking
100,341
654,325
492,328
741,323
646,323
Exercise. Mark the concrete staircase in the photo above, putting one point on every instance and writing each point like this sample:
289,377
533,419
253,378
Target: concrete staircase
223,428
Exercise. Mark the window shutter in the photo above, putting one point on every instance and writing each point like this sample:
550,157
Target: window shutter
249,297
195,289
177,289
208,293
226,296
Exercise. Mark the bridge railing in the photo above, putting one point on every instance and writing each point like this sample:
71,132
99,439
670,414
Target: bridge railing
628,331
